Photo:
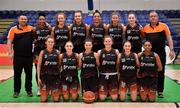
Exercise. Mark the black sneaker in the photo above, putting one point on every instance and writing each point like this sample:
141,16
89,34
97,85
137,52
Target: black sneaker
16,94
29,94
160,95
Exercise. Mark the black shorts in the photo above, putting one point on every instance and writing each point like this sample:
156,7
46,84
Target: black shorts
128,81
51,81
71,83
148,82
90,84
108,84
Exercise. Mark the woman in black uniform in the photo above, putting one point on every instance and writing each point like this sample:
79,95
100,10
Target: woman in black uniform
69,73
78,32
61,32
97,31
48,71
115,30
88,63
150,65
133,33
128,65
108,75
42,29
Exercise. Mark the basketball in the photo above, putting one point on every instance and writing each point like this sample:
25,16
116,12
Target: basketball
88,97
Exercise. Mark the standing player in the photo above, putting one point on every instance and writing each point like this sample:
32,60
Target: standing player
48,71
158,32
115,30
88,63
61,32
78,32
41,31
97,31
150,65
69,74
133,33
108,78
128,70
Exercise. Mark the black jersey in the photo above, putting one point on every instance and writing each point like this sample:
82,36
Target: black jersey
88,67
97,33
132,34
41,34
61,35
78,34
50,64
69,65
147,65
108,61
127,65
116,33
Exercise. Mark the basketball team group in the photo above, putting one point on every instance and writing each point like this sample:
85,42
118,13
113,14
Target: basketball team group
104,60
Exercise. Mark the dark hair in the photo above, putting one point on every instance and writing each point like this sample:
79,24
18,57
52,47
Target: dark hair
147,41
50,36
153,11
96,11
126,41
41,14
60,13
107,36
88,40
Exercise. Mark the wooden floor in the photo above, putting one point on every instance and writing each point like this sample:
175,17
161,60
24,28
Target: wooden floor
94,105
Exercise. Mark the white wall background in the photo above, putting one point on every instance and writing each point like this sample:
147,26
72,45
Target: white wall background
82,4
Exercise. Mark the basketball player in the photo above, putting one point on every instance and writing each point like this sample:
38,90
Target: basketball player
42,29
150,65
108,77
61,32
78,32
133,32
49,72
115,30
128,70
88,63
97,31
69,73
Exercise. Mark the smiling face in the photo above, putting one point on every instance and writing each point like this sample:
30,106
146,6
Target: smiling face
108,42
147,46
127,46
96,17
50,42
115,19
131,18
78,17
69,46
41,20
153,17
88,45
61,19
22,20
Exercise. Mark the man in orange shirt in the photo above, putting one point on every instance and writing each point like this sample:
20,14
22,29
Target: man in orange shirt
158,32
20,39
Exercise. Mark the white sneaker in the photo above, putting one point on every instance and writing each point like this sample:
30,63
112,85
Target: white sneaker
38,92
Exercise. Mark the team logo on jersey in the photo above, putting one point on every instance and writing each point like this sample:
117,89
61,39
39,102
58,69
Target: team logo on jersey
37,32
128,31
103,55
64,60
92,29
74,28
123,60
45,56
111,29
